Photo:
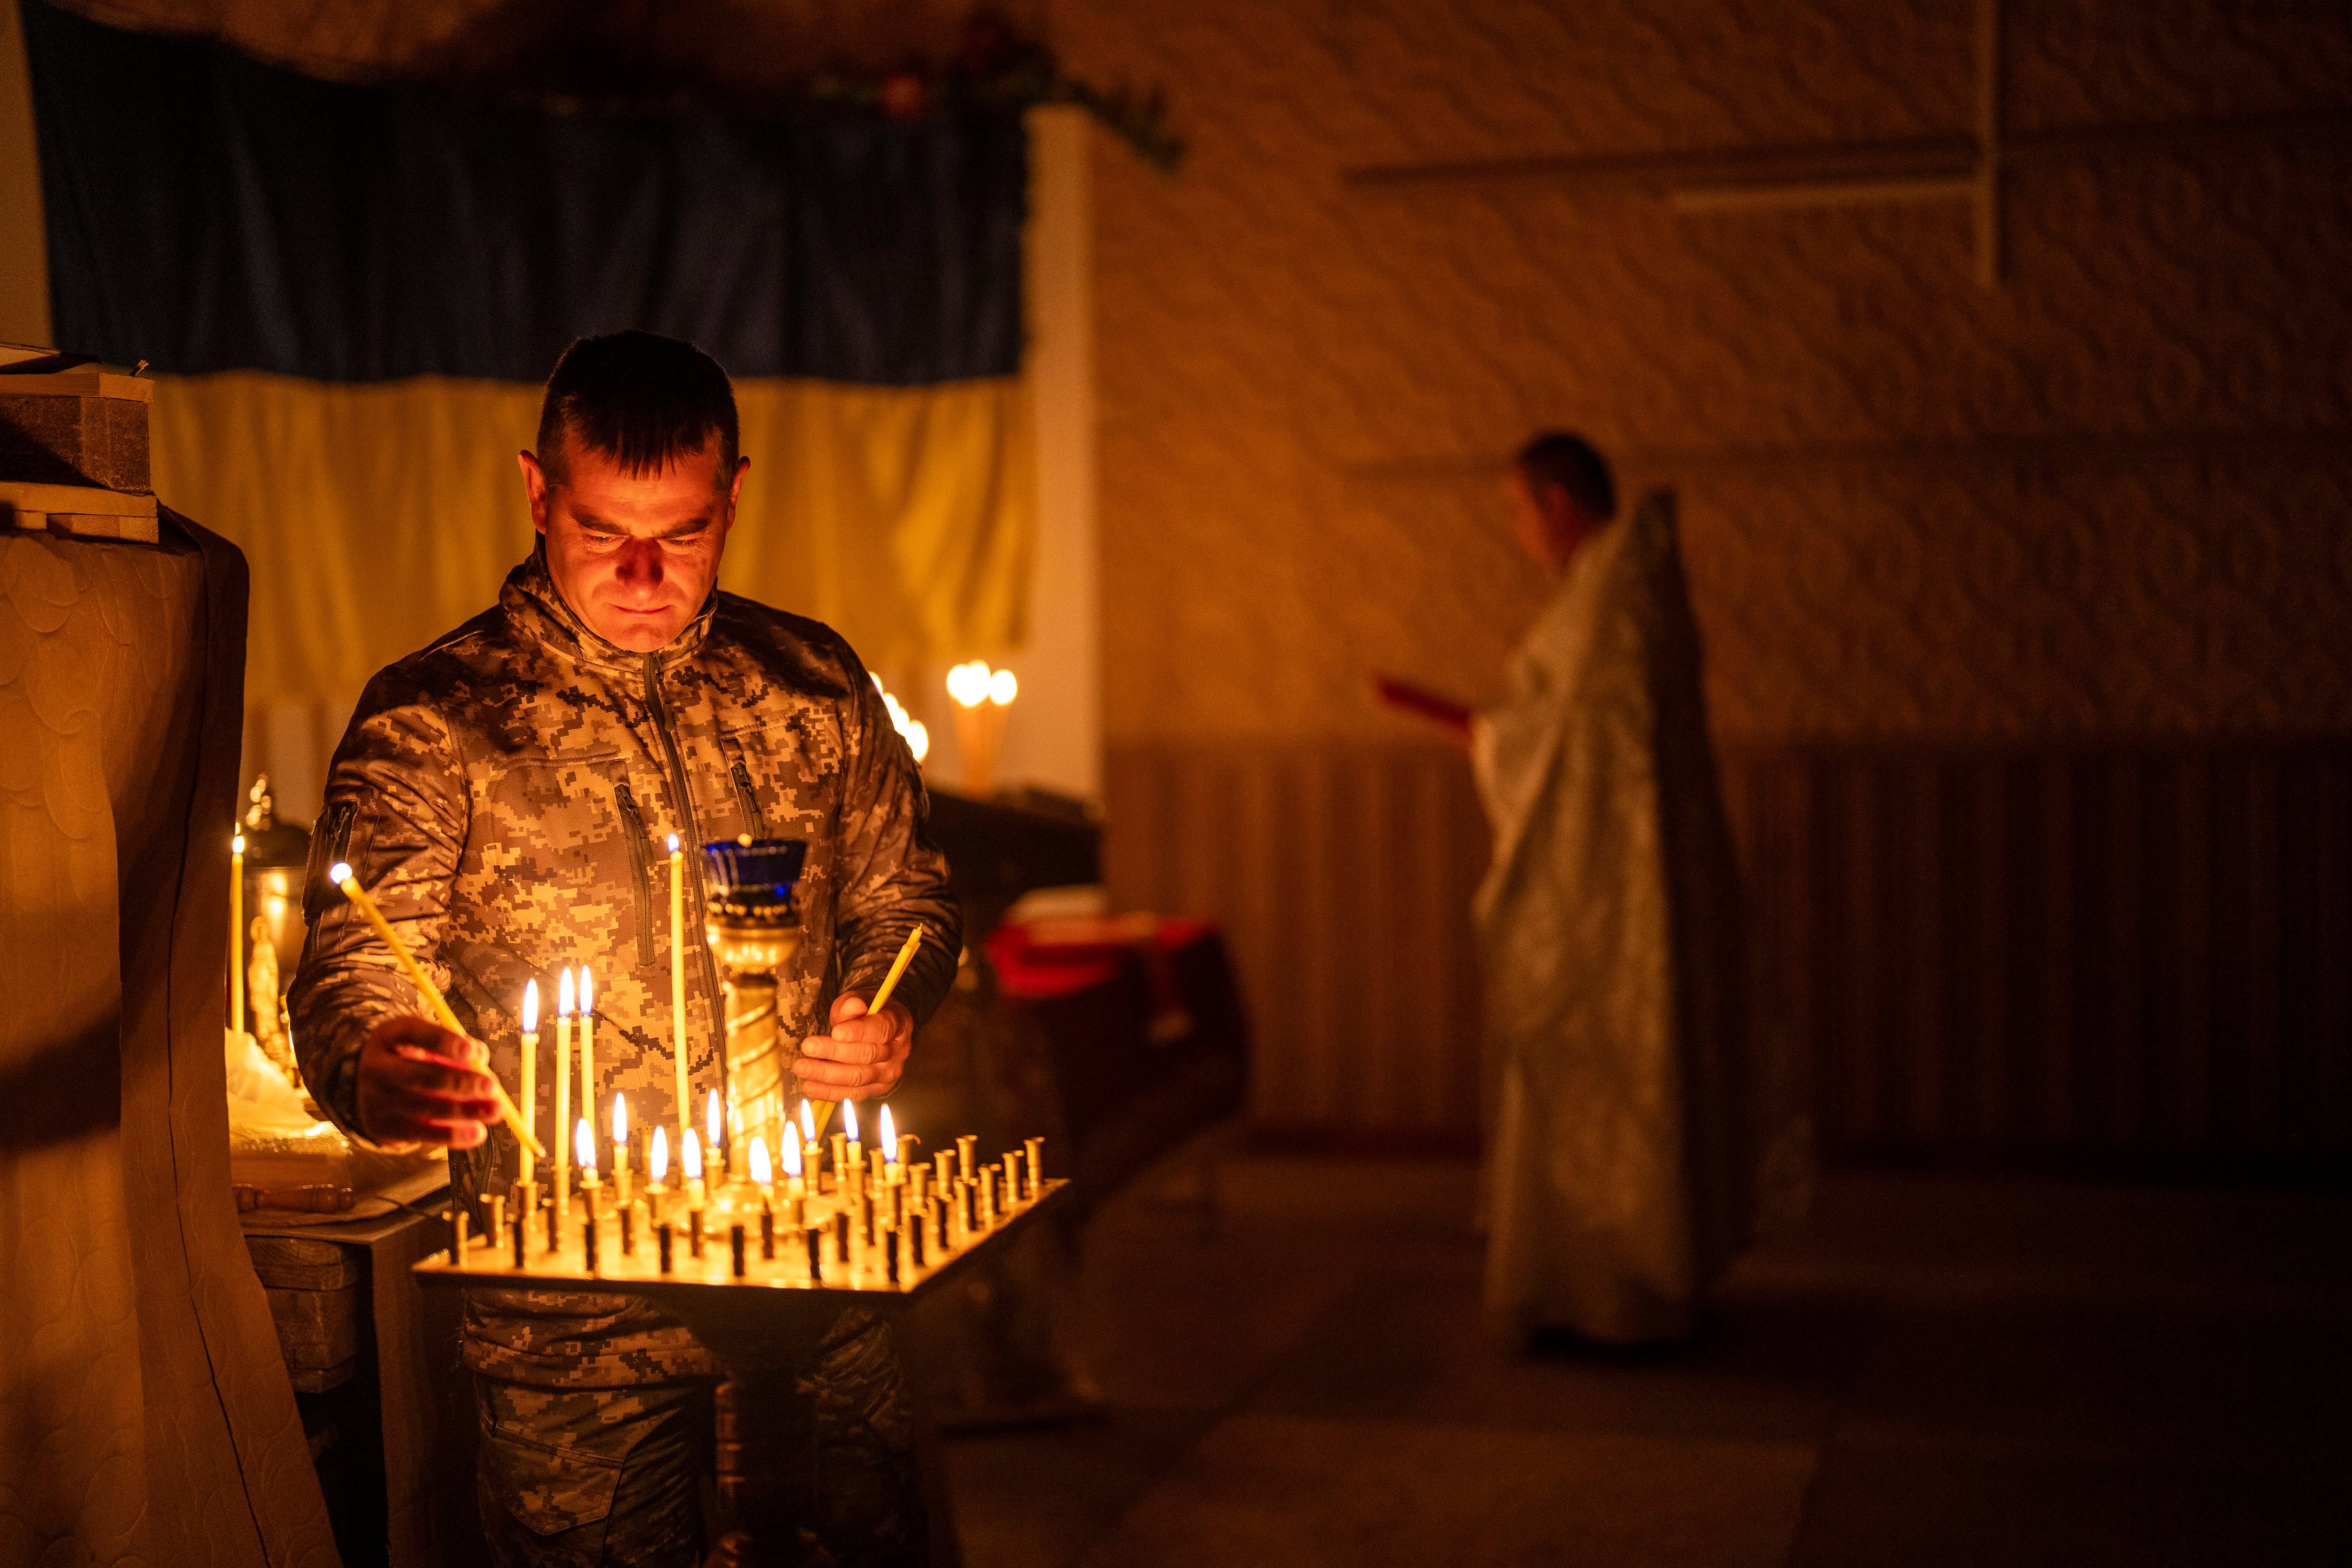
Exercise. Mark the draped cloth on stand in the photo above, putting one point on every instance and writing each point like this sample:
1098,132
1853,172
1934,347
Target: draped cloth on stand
350,296
1637,1128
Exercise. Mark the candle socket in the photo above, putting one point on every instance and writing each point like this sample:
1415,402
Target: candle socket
890,1257
944,1169
735,1249
767,1236
914,1232
497,1214
1036,1166
554,1228
456,1236
1011,1179
517,1231
968,1155
841,1236
588,1240
940,1224
694,1231
628,1231
661,1238
816,1268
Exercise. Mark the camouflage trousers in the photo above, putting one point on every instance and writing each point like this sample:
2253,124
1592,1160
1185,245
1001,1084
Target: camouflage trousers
586,1477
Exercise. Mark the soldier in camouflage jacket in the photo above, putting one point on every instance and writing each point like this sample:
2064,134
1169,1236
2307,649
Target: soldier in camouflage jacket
507,794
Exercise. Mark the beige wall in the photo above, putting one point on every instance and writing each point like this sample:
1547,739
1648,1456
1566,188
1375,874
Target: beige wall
2105,499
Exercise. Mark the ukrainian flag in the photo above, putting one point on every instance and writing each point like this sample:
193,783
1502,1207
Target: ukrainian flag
350,295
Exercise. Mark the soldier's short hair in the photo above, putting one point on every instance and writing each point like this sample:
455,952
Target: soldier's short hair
1571,462
640,398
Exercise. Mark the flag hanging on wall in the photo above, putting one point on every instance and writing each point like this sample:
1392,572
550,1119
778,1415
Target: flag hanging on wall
350,296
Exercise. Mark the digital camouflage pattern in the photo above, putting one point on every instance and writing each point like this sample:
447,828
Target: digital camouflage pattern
505,795
610,1476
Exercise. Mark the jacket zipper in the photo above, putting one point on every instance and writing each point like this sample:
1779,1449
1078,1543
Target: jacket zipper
633,828
692,836
745,801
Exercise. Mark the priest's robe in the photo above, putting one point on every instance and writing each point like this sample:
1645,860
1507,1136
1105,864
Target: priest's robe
1634,1133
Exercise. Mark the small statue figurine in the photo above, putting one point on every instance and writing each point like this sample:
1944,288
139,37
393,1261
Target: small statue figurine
268,1008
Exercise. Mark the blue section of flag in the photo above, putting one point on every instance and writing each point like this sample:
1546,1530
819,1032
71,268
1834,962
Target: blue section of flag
207,213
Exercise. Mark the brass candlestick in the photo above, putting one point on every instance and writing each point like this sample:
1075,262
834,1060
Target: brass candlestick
754,933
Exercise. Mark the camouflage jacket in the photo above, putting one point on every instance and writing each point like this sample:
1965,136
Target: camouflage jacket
505,794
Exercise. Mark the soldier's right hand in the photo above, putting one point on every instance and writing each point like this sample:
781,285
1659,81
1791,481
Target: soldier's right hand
418,1085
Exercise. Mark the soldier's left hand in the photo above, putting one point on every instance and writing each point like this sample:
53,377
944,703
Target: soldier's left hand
864,1055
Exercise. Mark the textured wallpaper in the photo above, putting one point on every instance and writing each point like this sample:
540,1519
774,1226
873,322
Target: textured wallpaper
2107,498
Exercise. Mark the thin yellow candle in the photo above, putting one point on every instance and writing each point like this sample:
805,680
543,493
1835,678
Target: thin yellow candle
530,1068
583,1143
690,1160
236,935
678,985
563,1005
898,968
340,873
795,1180
621,1146
713,1127
588,1047
762,1176
890,1166
657,1170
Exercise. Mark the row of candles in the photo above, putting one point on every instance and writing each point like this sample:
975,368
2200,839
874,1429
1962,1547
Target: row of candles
885,1207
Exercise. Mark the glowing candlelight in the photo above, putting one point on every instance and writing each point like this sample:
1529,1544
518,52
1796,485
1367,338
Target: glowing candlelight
678,985
563,1005
656,1168
1002,688
340,873
713,1126
588,1044
236,935
889,1144
689,1155
795,1182
762,1176
968,684
621,1145
530,1069
583,1144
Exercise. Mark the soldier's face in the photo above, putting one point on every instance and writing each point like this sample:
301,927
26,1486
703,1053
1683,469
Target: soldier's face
633,555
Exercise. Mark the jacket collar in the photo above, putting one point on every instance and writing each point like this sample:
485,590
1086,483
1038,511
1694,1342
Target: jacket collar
537,610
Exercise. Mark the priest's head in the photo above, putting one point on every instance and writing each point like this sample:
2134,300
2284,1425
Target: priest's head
1560,495
635,481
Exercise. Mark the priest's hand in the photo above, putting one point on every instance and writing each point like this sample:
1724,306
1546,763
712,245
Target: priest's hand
864,1055
422,1085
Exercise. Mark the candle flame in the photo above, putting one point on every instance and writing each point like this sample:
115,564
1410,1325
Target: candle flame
564,1005
849,1118
657,1162
587,990
673,843
919,739
791,1157
968,684
620,1118
584,1146
889,1138
808,1121
236,845
690,1156
530,1006
1002,688
760,1175
710,1119
339,872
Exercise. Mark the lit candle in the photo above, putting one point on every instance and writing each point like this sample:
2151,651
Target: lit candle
689,1155
813,1153
564,1005
678,986
658,1169
849,1155
795,1182
713,1126
890,1167
529,1107
621,1146
762,1176
583,1143
588,1047
236,935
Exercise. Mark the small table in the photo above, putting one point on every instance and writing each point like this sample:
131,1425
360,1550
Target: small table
368,1299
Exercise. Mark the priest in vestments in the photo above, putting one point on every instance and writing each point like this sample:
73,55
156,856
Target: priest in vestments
1634,1134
